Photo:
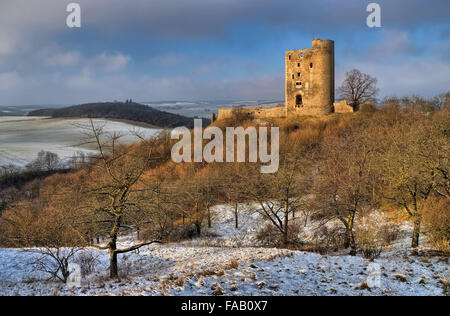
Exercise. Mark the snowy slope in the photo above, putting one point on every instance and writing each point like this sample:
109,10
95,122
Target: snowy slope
21,138
226,264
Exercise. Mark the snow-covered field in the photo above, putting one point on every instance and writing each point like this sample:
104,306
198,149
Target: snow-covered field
21,138
226,264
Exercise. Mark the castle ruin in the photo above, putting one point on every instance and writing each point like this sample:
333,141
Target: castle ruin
309,86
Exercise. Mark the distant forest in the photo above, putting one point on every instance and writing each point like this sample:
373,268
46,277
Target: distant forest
119,110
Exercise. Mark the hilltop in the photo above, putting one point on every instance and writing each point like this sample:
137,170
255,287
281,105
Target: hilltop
119,110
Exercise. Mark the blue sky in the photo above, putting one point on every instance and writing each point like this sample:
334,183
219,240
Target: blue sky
152,50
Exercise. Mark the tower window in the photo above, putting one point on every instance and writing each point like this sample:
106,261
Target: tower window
298,101
301,54
289,57
310,65
298,64
298,74
293,76
298,83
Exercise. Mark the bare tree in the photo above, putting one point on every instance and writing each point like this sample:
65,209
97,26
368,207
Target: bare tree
442,101
279,195
111,194
416,164
45,161
52,235
54,261
346,181
159,200
198,196
358,88
233,191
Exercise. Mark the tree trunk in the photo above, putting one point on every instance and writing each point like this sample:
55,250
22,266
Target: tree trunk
352,243
209,218
416,231
351,235
113,266
236,216
286,225
347,239
198,228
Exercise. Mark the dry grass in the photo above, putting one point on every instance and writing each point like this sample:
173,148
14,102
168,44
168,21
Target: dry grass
363,286
180,282
233,264
217,289
401,277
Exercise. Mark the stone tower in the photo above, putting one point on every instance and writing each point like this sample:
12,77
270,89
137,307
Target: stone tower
310,79
309,86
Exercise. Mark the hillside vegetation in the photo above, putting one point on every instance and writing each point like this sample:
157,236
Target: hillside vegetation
119,110
334,172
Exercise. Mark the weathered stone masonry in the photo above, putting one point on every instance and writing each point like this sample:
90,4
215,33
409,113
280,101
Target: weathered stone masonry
309,85
310,79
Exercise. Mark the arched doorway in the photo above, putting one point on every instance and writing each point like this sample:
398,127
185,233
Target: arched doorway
298,101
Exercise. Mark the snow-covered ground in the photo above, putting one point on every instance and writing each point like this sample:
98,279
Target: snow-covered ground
226,263
21,138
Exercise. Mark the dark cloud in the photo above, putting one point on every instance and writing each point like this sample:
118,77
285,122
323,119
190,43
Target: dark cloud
212,18
37,49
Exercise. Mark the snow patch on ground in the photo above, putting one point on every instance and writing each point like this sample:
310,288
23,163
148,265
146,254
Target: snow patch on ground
22,138
226,263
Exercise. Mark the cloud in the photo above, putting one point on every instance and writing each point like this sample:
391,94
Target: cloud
6,47
393,43
109,62
212,19
26,24
206,69
408,76
60,59
9,80
80,81
203,49
167,59
262,87
206,18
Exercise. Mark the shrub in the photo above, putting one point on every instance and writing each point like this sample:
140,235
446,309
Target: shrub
54,261
369,242
183,232
389,233
368,108
327,239
437,223
87,261
270,236
373,235
240,116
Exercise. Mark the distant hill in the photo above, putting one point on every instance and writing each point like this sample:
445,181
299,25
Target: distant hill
119,110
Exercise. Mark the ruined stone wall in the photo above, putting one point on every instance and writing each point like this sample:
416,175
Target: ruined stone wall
258,113
343,107
309,84
310,79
